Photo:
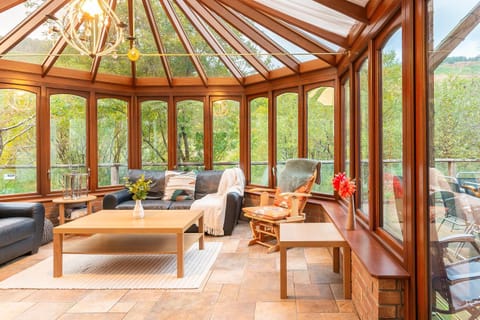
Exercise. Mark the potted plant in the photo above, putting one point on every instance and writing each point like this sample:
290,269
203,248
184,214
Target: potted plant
139,189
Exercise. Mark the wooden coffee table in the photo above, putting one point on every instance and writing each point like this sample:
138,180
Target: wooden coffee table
117,232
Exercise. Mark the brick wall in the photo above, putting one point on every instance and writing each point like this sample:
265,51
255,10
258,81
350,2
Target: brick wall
375,298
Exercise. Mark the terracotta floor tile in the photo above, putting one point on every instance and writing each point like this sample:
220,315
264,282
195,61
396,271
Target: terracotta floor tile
60,296
229,293
45,311
13,295
275,310
11,310
97,301
234,310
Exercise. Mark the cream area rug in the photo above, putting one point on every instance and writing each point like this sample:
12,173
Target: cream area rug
82,271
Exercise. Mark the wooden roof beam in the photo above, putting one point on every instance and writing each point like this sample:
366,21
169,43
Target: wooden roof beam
230,37
314,29
299,39
131,31
158,41
7,4
347,8
453,39
208,36
252,33
30,23
172,16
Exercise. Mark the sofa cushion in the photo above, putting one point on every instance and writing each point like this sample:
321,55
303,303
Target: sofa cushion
147,205
179,183
157,187
15,229
180,205
207,182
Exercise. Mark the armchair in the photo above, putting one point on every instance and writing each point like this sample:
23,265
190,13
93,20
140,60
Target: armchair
294,185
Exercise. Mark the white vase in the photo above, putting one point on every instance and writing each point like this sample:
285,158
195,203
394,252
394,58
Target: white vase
138,212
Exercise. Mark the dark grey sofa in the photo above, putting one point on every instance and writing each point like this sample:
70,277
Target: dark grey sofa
21,229
206,183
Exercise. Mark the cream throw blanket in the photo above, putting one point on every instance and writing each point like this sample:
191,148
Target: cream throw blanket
213,205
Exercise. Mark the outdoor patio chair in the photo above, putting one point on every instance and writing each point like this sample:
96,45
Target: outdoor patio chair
455,286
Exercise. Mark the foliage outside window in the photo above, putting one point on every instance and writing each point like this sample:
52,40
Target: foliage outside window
287,128
346,126
154,115
321,133
226,134
68,137
18,142
112,139
259,141
364,172
453,149
190,135
392,136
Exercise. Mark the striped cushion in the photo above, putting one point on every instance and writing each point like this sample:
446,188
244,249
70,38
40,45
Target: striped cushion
184,181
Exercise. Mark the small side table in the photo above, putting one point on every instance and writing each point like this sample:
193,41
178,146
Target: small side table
62,202
315,235
265,228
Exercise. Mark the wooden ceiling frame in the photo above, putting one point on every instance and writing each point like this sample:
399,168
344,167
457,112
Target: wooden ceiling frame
253,34
454,37
347,8
316,30
300,39
231,38
158,41
172,16
29,24
7,4
102,40
211,41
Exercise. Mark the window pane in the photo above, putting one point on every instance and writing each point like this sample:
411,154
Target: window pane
190,135
226,135
320,134
392,136
346,126
154,134
68,137
287,128
112,141
259,141
454,149
363,110
18,142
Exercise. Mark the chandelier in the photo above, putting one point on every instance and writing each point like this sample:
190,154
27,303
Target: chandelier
90,27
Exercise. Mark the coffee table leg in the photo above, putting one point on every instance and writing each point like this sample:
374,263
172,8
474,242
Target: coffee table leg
347,272
57,255
201,244
283,272
180,247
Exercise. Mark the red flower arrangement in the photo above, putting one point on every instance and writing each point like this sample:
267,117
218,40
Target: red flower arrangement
345,187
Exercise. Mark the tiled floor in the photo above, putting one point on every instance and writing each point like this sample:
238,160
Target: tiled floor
244,284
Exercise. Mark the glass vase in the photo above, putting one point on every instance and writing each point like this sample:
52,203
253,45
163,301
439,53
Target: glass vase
138,212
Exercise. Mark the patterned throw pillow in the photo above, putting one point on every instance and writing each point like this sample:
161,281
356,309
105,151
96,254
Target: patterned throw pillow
179,185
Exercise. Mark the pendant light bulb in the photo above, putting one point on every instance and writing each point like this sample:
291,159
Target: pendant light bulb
133,54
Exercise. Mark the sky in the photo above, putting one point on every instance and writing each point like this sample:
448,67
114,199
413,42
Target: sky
447,14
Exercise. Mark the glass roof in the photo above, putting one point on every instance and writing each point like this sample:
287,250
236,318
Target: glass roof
192,38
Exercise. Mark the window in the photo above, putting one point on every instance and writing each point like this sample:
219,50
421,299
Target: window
287,128
454,149
364,173
190,135
226,134
259,141
321,133
18,142
391,144
346,126
154,115
112,126
68,137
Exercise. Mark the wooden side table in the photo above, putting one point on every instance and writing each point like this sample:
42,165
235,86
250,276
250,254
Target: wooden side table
315,235
266,228
62,202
